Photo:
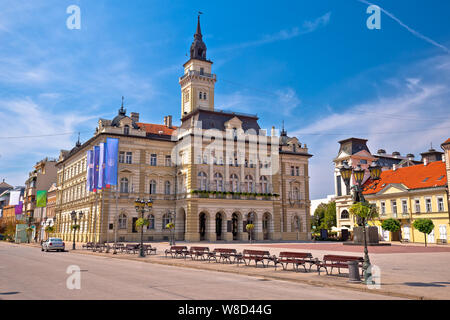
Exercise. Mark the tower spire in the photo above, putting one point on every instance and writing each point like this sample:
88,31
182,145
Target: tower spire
198,33
198,47
122,111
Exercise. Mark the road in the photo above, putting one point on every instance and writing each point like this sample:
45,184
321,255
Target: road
28,273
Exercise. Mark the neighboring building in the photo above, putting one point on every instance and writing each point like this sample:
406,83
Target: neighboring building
446,147
355,152
9,200
4,195
406,194
40,179
209,194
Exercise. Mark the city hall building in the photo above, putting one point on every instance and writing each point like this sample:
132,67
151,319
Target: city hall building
214,174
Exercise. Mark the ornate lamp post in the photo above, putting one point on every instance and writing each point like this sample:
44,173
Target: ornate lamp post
358,174
141,206
74,220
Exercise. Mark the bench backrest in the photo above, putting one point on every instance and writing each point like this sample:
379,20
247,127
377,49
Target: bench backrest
199,249
300,255
178,248
256,253
225,250
331,257
131,246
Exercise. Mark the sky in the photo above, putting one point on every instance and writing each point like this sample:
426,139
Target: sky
313,64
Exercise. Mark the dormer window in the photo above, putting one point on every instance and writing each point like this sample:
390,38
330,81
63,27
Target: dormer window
126,130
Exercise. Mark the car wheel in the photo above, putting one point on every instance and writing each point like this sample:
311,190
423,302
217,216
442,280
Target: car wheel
46,250
42,249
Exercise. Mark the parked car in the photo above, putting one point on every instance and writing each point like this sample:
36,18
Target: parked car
2,237
53,244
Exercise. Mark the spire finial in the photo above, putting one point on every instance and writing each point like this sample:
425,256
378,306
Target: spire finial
122,111
78,144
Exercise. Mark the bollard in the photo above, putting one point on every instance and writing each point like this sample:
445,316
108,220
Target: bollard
353,272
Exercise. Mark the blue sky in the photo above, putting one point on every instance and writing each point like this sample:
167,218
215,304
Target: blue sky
313,64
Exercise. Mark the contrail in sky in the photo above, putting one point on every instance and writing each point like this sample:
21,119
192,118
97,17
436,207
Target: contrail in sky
414,32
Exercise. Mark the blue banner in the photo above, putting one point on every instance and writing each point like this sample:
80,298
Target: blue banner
89,170
112,154
101,161
96,166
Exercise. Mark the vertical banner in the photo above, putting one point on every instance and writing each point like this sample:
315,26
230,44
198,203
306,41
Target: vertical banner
101,173
112,153
90,170
14,198
18,208
96,166
41,198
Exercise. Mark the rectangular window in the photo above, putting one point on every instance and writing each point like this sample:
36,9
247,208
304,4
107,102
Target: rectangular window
338,186
153,159
168,161
121,157
129,157
363,161
440,204
394,207
297,171
428,204
292,171
383,208
404,207
417,205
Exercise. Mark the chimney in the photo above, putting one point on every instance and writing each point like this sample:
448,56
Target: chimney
425,161
134,116
394,166
168,121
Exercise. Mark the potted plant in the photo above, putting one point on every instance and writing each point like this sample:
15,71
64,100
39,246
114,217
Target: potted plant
171,227
48,230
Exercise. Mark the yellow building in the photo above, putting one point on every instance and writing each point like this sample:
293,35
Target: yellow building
411,193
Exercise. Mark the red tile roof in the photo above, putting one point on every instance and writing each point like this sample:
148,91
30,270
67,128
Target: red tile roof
447,141
156,128
414,177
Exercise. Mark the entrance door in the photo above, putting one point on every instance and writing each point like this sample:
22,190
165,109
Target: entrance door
202,227
234,228
406,233
443,233
266,227
386,235
431,237
133,227
218,226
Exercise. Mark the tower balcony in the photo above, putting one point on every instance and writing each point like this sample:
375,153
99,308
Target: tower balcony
198,73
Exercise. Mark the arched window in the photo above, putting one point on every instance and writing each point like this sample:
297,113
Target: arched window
264,184
167,187
218,181
200,95
249,184
124,185
122,221
202,180
234,179
152,187
204,95
126,130
344,214
151,222
165,220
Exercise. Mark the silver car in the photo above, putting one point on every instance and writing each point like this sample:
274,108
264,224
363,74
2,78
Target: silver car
53,244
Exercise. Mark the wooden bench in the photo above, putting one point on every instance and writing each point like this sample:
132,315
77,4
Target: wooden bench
257,256
224,254
296,259
176,251
87,245
335,261
198,252
131,248
149,249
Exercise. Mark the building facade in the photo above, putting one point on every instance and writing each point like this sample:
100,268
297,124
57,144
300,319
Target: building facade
410,193
354,152
212,175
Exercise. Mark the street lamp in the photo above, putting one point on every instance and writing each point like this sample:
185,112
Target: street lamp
358,174
74,219
141,206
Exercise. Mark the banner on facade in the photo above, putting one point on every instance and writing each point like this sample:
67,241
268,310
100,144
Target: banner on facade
112,154
41,198
96,166
101,162
18,209
14,198
89,170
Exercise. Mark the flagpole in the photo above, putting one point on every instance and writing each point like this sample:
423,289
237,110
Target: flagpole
115,219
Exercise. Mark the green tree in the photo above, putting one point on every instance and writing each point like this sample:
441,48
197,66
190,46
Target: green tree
329,220
391,225
319,215
426,226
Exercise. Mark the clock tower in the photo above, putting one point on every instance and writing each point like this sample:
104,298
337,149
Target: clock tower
197,83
